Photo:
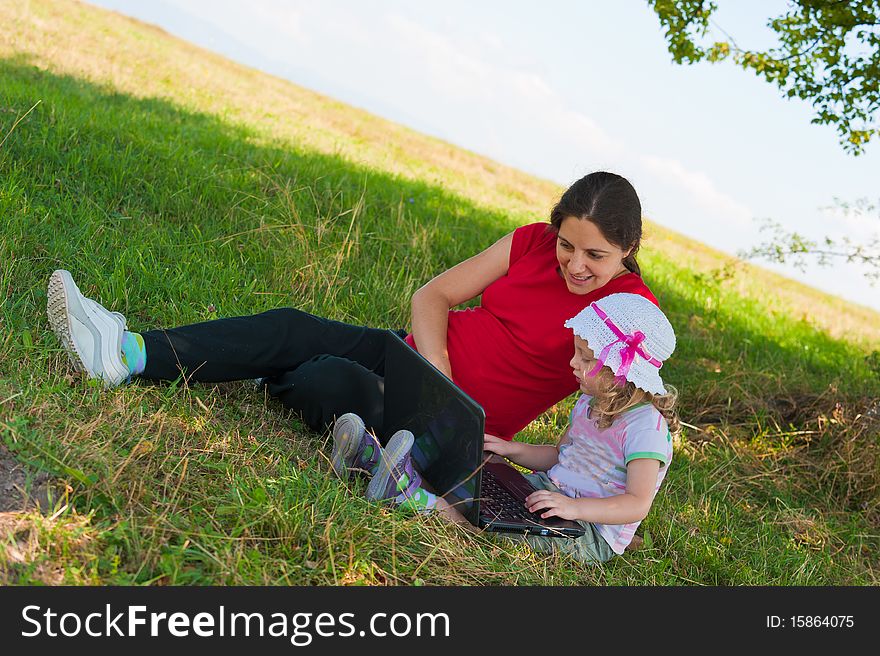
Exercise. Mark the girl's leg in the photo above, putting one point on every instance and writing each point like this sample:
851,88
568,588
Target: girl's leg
261,345
589,548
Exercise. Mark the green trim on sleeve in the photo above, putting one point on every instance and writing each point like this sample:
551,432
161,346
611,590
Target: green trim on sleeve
653,455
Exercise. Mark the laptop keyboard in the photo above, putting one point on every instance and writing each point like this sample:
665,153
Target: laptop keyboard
497,502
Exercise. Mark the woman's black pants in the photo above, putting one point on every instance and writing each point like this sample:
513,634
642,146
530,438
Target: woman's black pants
317,367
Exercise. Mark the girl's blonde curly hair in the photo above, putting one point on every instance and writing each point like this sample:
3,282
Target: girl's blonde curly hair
614,399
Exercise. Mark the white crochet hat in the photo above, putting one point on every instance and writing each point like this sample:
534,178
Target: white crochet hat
628,334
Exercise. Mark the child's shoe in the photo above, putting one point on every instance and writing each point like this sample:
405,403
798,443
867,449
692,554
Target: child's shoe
394,475
397,480
91,334
353,446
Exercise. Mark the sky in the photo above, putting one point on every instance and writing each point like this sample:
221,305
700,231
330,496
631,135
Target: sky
565,87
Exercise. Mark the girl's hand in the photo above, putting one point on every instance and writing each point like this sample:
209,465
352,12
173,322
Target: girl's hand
553,504
506,448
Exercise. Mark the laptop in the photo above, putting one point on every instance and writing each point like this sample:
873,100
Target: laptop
448,427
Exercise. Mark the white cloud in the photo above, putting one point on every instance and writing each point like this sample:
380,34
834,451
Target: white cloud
519,113
721,209
446,65
512,114
492,40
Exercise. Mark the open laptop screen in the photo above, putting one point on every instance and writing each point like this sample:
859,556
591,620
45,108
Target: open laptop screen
447,425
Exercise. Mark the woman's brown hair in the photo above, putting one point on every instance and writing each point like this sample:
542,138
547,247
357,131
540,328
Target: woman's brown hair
610,202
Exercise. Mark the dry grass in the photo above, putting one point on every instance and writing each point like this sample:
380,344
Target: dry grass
46,550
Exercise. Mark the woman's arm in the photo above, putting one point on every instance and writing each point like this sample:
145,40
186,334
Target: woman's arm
631,506
464,281
538,457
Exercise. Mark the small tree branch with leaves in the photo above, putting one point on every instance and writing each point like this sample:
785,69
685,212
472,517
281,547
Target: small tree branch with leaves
828,54
792,247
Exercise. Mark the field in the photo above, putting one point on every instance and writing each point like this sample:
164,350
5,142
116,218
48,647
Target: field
178,186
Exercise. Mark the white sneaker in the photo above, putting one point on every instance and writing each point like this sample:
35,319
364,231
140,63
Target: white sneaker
91,334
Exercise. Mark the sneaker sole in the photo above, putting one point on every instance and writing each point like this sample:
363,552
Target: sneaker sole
393,453
345,443
64,300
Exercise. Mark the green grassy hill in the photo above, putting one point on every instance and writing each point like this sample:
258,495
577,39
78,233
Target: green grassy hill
178,186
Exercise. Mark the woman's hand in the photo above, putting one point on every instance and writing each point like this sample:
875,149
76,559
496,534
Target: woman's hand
552,504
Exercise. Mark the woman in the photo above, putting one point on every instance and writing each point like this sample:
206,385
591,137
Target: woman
510,354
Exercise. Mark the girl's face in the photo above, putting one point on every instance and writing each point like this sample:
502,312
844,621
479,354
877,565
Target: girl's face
586,259
582,364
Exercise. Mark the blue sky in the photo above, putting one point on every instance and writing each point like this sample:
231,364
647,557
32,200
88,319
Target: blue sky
562,88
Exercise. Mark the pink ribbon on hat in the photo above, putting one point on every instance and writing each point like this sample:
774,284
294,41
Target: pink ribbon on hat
627,354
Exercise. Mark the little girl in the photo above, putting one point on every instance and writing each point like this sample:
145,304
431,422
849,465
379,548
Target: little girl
609,463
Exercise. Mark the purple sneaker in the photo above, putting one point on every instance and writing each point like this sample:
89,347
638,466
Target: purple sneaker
353,446
394,474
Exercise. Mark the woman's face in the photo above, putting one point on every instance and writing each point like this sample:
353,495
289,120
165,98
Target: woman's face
586,259
582,364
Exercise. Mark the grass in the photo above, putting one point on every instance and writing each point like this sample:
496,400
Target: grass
211,190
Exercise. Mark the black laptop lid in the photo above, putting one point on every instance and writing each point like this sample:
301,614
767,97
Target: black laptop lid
446,423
